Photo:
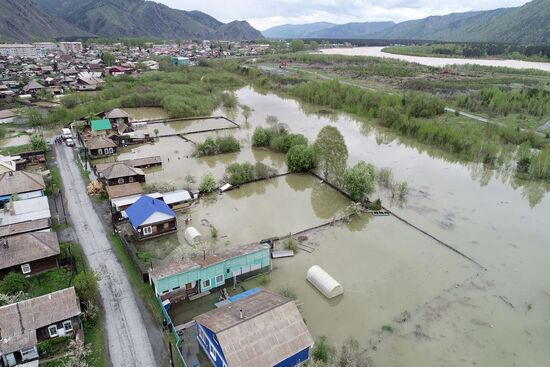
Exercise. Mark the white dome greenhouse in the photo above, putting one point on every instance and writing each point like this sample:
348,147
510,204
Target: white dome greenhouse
324,282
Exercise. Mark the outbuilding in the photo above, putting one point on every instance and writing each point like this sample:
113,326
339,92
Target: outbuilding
192,236
326,284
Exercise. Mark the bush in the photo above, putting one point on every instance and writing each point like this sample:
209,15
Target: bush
240,173
322,351
85,284
288,293
359,181
300,158
262,170
291,244
229,100
260,138
14,283
38,142
283,142
207,184
220,145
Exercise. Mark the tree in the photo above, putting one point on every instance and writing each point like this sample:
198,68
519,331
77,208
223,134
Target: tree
35,118
14,283
85,284
297,45
79,354
331,152
300,158
108,59
313,45
260,137
359,181
247,112
38,142
207,184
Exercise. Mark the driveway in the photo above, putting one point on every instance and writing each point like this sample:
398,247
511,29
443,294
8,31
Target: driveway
127,336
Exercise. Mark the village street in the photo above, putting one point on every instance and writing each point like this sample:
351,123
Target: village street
127,337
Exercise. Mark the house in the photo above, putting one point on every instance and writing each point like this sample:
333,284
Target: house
184,277
37,225
25,185
33,87
21,211
119,191
262,329
121,173
7,116
29,253
117,116
101,127
100,146
119,205
25,323
151,217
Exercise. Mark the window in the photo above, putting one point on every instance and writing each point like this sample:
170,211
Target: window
206,283
130,179
120,180
111,151
26,268
52,329
68,325
100,152
147,230
164,292
29,353
219,279
212,352
176,288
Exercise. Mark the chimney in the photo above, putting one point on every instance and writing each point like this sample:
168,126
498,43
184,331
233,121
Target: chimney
241,314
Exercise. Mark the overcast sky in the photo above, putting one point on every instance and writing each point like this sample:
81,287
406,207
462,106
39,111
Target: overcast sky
263,14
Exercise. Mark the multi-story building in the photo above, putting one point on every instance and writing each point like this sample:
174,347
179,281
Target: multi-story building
70,47
24,50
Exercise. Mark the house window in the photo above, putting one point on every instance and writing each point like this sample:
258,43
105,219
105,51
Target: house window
206,283
111,151
130,179
26,268
68,325
120,180
52,329
202,336
147,230
176,288
29,353
164,292
100,152
219,279
212,352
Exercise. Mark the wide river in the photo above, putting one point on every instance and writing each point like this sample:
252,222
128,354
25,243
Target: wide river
436,61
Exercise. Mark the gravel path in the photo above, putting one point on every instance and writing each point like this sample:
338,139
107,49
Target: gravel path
127,336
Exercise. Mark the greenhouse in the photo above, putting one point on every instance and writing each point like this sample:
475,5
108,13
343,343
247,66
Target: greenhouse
324,282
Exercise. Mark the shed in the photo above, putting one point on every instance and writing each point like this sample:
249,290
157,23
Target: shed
324,282
192,235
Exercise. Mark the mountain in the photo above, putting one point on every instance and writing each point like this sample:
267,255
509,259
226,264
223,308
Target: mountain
326,30
23,20
529,23
296,30
140,18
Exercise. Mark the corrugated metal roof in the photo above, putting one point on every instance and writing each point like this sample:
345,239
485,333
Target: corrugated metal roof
144,207
103,124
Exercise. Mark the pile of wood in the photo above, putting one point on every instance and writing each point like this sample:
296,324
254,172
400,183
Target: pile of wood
95,188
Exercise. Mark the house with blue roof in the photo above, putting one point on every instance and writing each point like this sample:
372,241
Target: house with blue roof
151,218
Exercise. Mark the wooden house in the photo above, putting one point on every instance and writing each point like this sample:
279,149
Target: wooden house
29,253
151,218
120,173
118,116
100,147
25,185
25,323
258,329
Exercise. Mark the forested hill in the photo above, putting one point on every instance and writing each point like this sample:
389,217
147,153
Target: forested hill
529,23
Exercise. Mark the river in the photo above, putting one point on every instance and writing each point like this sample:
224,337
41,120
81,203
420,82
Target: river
436,61
458,313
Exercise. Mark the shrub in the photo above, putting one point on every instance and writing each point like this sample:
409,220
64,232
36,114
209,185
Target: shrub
207,184
260,138
291,244
38,142
265,279
385,177
300,158
322,351
214,232
283,142
229,100
359,181
262,170
14,283
287,292
240,173
85,284
220,145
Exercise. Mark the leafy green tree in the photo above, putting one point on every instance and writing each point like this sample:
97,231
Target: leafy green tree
331,152
86,286
35,117
313,45
240,173
207,184
300,158
359,181
108,58
260,137
247,112
14,283
297,45
38,142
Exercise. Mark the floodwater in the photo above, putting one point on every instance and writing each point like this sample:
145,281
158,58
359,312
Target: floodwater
460,314
255,211
436,61
146,113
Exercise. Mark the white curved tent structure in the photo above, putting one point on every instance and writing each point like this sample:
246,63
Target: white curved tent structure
192,236
324,282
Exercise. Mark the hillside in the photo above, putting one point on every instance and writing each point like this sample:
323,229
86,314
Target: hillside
137,18
23,20
529,23
297,30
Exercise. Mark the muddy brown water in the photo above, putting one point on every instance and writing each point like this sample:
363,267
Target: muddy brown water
460,314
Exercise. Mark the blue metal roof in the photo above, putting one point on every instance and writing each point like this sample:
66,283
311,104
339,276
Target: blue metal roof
144,207
245,294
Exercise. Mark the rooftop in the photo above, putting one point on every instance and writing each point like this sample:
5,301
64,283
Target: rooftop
19,182
27,247
145,208
119,169
128,189
23,227
116,114
100,125
100,142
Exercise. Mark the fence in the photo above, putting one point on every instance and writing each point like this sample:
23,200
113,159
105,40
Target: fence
174,332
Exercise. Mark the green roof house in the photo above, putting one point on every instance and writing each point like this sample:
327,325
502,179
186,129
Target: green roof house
101,125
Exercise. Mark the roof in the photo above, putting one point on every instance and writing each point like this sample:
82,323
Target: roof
20,181
103,124
128,189
116,113
129,200
144,208
23,227
100,142
176,196
181,266
271,330
19,321
27,247
4,114
138,162
33,84
119,169
25,210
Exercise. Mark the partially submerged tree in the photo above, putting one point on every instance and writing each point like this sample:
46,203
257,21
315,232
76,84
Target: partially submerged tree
207,184
331,152
359,181
247,112
300,158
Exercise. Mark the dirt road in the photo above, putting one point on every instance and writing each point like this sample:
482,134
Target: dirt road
127,336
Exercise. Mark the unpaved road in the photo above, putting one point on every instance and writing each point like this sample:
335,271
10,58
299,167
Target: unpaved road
127,336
